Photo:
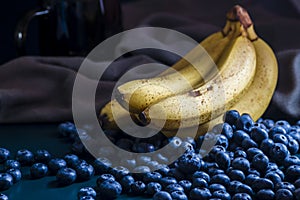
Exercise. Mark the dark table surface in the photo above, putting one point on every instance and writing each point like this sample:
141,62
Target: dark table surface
34,137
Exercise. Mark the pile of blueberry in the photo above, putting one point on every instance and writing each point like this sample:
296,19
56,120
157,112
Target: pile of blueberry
249,160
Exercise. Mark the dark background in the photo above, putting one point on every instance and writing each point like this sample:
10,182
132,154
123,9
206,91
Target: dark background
12,10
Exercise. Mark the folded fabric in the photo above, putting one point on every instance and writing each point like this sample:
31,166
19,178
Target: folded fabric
39,89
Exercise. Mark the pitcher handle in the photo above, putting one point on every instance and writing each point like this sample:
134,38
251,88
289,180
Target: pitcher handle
20,34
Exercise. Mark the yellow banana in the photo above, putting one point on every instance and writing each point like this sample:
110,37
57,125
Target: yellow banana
258,96
113,115
136,95
237,65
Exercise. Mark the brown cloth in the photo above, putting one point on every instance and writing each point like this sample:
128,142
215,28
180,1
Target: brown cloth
39,89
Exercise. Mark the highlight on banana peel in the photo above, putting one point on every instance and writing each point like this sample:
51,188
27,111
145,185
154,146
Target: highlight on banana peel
245,81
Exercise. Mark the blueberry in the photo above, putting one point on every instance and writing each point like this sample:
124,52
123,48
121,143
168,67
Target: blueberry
253,171
260,162
179,195
163,170
152,177
86,191
222,141
38,170
248,143
251,178
215,187
274,177
4,155
231,117
102,165
12,164
251,152
200,193
239,136
199,182
222,159
125,182
72,160
233,146
104,177
214,171
292,173
186,185
6,181
190,140
265,194
243,188
165,181
84,171
143,147
42,156
55,164
266,145
284,194
291,160
174,187
138,188
232,187
162,195
280,138
272,166
110,189
66,176
241,163
241,196
276,130
244,122
269,123
262,183
294,133
152,188
16,174
236,174
3,197
297,194
284,124
66,128
240,153
216,149
189,163
222,179
224,129
176,173
202,174
279,152
285,185
293,146
187,147
221,194
119,172
297,183
25,157
258,134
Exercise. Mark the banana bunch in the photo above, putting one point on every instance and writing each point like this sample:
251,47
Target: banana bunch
245,81
139,94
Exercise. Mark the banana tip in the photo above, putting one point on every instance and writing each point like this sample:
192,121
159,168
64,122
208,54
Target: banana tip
143,118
